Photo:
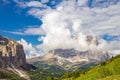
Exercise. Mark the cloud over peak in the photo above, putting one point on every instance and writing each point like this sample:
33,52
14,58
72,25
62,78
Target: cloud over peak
67,25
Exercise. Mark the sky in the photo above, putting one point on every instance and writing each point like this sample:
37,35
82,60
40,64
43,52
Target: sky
44,25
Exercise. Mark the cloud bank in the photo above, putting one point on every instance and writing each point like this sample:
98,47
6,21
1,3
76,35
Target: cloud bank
67,25
29,49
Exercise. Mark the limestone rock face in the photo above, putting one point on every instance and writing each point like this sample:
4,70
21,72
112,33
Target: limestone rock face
11,53
72,56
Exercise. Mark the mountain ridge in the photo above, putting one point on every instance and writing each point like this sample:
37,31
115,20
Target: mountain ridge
13,58
70,58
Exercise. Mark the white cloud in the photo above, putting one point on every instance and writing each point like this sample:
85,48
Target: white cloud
113,45
29,49
34,4
34,31
31,30
36,12
20,4
59,31
15,32
68,24
82,2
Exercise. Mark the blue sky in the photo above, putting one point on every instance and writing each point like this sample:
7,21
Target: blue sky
43,25
13,18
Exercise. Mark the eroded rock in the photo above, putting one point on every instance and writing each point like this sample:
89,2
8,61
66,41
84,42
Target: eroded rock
11,53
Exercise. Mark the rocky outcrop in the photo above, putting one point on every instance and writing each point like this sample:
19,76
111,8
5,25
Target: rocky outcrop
71,59
71,56
11,54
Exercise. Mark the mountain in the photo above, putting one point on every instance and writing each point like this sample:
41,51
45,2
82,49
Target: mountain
5,75
12,58
11,53
71,59
13,65
108,70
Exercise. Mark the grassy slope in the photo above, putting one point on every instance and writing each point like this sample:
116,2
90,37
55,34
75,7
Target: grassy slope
115,77
50,68
40,74
108,70
9,76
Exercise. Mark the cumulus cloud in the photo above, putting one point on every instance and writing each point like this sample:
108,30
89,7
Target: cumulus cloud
29,49
30,30
82,2
67,25
30,4
34,4
36,12
20,4
68,20
34,31
115,45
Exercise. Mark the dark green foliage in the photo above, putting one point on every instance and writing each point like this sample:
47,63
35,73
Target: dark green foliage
72,75
50,78
40,74
67,75
45,71
51,68
57,71
103,63
75,74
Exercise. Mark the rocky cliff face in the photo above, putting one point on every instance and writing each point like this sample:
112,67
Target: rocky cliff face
72,56
70,59
11,53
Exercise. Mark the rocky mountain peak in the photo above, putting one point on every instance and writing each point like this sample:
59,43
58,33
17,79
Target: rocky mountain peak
90,40
11,53
64,57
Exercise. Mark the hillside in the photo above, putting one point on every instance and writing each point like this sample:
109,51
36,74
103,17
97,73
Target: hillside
13,63
6,75
108,70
